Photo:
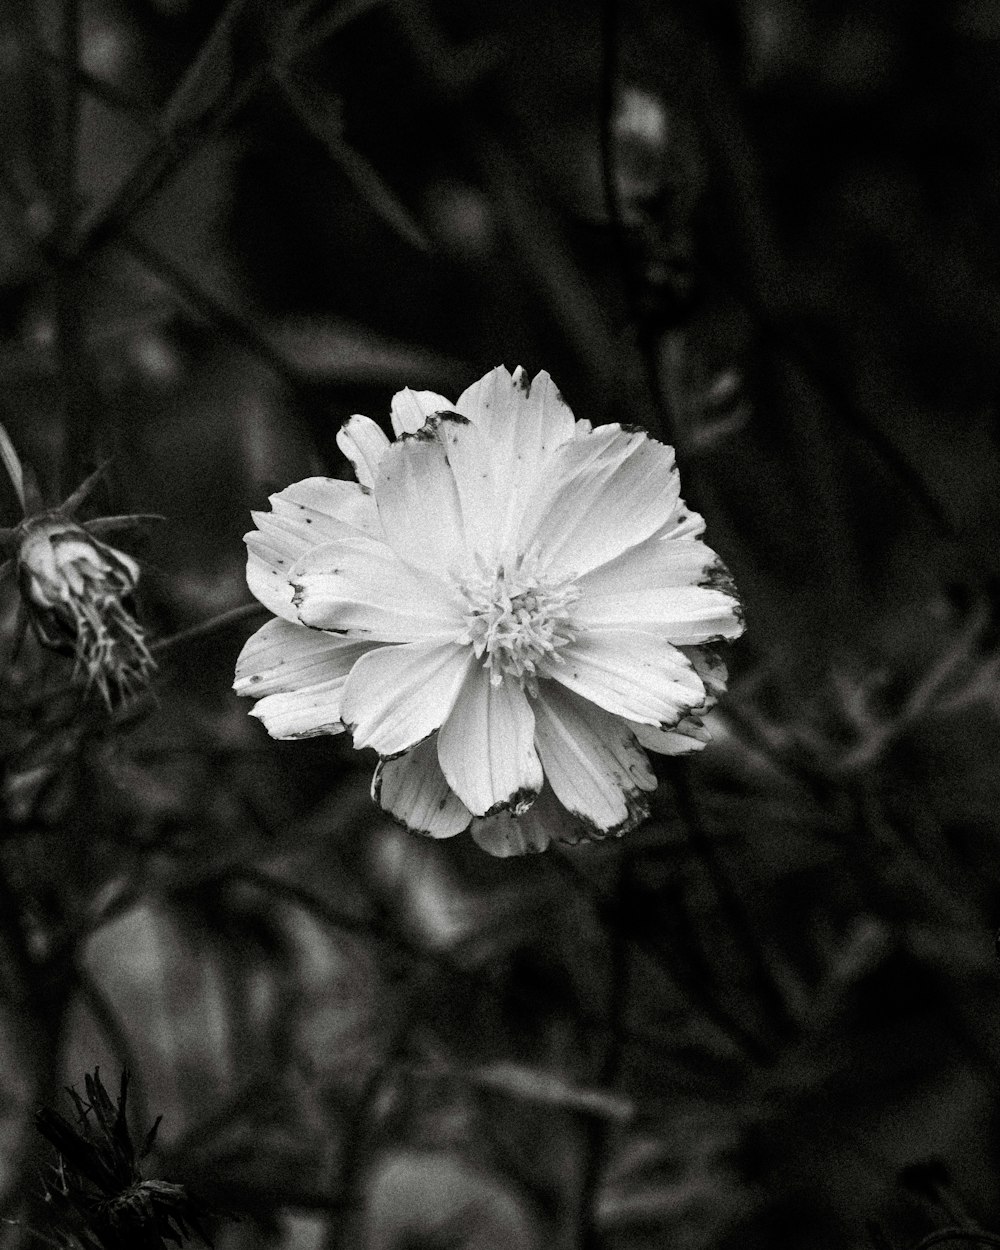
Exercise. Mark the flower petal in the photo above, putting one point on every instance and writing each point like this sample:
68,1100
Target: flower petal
486,746
313,511
364,444
524,421
686,736
591,761
269,560
471,458
419,506
410,409
634,675
303,713
396,696
504,835
413,790
675,585
656,562
545,821
281,657
602,494
319,508
687,615
361,588
712,669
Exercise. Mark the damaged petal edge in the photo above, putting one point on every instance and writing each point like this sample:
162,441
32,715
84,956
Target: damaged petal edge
517,804
428,431
637,811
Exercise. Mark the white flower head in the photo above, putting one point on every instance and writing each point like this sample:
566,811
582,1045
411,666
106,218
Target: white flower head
510,606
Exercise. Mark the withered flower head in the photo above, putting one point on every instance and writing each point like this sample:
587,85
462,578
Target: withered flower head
78,592
98,1194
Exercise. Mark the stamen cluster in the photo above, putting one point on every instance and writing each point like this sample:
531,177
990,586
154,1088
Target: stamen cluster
514,619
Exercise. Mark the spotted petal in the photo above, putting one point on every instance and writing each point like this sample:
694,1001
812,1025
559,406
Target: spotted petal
281,657
361,588
313,511
419,505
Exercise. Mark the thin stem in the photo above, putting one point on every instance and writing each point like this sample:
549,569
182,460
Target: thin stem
234,616
239,329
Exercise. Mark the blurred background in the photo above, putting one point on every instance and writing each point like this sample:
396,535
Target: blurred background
764,229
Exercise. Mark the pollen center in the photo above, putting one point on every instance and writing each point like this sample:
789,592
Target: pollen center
516,620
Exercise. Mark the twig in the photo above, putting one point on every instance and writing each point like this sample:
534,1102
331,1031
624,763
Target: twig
234,616
236,327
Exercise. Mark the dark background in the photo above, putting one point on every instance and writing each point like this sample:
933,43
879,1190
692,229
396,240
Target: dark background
768,231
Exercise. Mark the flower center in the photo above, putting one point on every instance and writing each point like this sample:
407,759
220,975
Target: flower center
516,620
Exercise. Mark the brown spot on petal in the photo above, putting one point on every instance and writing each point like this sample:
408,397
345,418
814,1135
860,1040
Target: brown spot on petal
428,431
518,803
637,810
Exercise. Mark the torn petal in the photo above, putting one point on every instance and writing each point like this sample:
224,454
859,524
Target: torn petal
304,713
364,444
316,510
410,409
686,736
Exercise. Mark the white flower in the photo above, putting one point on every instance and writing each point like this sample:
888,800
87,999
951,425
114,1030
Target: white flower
509,607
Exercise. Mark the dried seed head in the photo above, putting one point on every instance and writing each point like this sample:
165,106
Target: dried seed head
78,592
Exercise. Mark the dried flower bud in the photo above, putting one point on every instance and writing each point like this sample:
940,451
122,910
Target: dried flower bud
97,1193
78,592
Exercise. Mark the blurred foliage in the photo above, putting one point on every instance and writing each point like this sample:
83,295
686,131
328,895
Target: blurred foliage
767,230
